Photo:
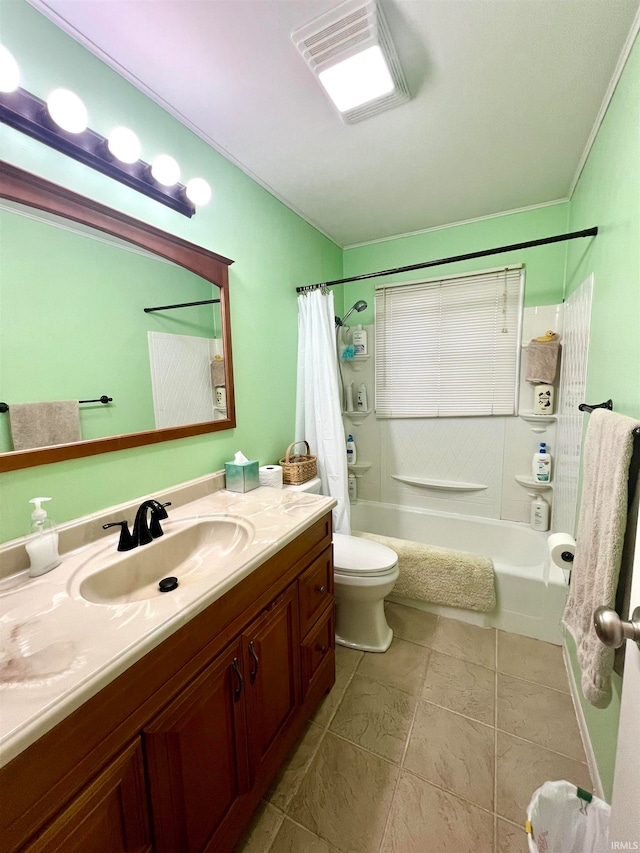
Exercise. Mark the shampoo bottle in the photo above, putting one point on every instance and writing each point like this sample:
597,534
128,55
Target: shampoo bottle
351,451
42,546
361,402
540,511
360,340
353,488
541,467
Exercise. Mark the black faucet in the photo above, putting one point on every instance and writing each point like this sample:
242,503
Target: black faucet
143,532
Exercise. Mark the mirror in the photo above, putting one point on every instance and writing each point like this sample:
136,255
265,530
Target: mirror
98,305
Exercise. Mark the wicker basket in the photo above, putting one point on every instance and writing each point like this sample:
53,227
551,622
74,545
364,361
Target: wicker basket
300,468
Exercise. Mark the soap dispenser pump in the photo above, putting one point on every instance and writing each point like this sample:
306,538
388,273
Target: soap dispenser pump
42,546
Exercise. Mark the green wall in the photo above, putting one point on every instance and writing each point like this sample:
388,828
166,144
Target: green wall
608,195
544,265
274,251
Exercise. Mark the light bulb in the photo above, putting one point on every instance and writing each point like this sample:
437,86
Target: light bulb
67,110
124,145
198,191
165,170
9,71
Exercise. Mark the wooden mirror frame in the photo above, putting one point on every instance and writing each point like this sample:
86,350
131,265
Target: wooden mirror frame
25,188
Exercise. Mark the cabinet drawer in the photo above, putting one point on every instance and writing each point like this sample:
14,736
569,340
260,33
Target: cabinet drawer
317,647
315,589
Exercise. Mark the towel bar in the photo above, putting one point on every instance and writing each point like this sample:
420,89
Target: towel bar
4,407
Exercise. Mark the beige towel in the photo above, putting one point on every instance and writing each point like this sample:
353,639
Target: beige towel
603,519
542,361
217,372
44,424
441,575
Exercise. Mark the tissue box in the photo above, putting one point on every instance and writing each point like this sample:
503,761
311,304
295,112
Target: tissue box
242,476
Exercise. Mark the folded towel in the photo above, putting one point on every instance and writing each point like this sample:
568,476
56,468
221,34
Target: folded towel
217,372
542,361
44,424
441,575
603,519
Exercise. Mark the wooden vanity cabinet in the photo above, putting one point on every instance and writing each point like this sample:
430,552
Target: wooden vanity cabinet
110,816
197,757
176,753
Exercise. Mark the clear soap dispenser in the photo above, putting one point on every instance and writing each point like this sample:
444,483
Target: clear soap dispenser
42,545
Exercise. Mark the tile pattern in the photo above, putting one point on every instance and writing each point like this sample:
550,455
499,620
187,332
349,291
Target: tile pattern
437,745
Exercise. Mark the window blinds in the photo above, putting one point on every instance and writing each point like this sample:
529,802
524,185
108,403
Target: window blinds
449,348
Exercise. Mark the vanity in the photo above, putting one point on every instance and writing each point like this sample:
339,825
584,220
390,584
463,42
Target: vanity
167,715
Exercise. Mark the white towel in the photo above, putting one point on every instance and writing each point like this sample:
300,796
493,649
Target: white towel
603,519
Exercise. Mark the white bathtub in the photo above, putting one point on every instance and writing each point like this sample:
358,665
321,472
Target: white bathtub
531,591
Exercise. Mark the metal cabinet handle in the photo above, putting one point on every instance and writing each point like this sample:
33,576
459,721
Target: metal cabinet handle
236,669
322,649
320,589
612,630
254,671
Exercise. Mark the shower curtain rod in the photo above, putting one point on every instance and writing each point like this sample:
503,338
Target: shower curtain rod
573,235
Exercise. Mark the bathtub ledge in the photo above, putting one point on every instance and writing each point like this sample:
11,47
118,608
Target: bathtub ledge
441,485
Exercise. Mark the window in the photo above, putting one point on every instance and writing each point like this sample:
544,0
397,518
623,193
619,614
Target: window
449,347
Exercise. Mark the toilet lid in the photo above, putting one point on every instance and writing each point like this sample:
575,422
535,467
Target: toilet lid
357,556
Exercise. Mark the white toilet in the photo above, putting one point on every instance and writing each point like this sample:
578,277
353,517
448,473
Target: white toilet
364,573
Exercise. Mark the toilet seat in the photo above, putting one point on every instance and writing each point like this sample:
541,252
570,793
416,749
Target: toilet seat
357,557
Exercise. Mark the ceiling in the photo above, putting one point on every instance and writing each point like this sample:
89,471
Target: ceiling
505,94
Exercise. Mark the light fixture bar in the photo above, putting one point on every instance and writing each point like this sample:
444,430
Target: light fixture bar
28,114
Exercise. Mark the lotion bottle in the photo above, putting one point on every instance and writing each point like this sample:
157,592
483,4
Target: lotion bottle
541,466
360,340
540,511
353,487
361,401
351,451
42,546
349,396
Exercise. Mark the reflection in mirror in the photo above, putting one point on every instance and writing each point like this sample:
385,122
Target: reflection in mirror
73,327
96,305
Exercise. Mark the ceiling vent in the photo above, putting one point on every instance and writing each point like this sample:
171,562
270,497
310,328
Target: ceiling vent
350,51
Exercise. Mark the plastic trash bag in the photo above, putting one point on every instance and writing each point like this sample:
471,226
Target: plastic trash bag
564,819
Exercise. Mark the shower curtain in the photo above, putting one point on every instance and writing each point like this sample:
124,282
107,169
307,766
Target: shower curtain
318,409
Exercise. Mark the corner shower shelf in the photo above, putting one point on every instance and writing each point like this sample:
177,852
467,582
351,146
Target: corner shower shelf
441,485
356,362
539,423
357,417
530,483
359,469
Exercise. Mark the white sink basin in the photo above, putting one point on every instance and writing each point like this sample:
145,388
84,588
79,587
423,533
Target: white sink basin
190,550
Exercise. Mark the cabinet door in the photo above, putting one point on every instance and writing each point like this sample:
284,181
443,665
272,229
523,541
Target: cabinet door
271,659
110,816
197,758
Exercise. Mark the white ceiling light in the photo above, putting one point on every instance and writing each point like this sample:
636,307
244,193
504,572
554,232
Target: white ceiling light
350,50
165,170
198,191
9,71
124,145
67,110
357,80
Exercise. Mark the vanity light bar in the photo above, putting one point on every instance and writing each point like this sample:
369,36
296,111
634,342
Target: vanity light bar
27,113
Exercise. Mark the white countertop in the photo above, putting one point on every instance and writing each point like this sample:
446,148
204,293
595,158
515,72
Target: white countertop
58,650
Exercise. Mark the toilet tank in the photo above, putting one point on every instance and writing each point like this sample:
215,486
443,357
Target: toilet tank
312,487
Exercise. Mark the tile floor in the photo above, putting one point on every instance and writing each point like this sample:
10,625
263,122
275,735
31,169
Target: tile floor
434,747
